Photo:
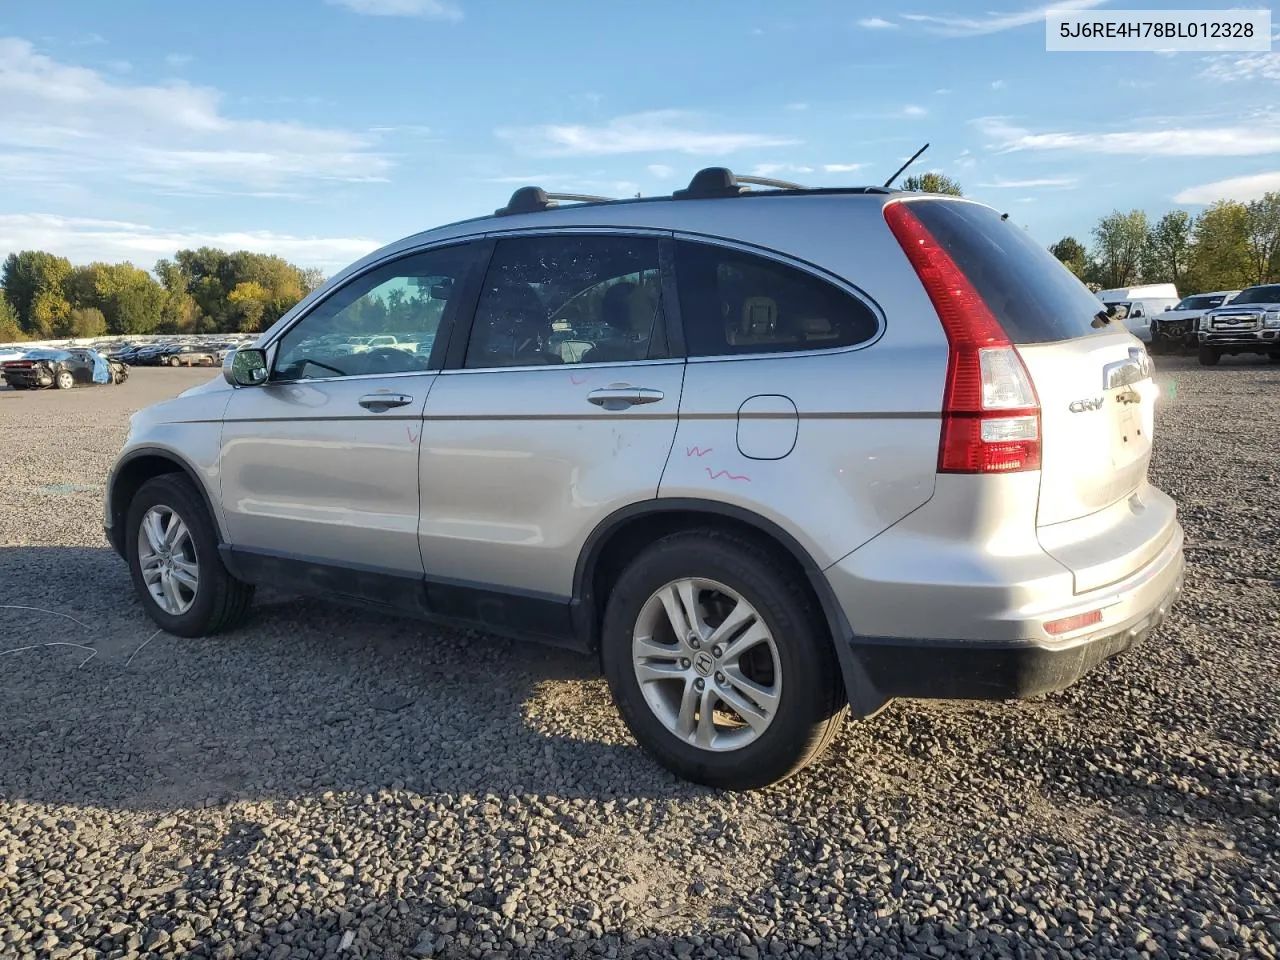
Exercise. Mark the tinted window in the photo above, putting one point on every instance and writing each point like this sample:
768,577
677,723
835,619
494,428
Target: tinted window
1200,303
733,302
569,299
384,321
1267,294
1035,298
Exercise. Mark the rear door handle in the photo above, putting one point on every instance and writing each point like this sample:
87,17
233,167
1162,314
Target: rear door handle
378,402
620,396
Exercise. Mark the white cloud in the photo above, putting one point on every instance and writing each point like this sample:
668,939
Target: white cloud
1243,189
120,66
661,171
996,22
798,107
841,167
913,110
877,23
72,124
943,91
427,9
998,84
1255,66
1175,142
82,240
88,40
654,131
1001,184
178,59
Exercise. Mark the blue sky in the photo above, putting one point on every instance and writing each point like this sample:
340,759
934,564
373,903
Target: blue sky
319,129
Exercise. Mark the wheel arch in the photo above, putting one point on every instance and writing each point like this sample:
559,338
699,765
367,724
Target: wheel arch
133,470
627,531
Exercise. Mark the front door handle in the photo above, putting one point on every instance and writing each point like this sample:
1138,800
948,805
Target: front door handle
621,395
378,402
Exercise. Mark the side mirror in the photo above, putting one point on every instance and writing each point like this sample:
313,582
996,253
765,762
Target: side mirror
246,367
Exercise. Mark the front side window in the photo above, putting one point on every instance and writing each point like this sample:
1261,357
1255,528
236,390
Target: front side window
569,298
733,302
383,322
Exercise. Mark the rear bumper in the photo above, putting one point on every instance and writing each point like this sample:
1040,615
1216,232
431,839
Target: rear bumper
941,670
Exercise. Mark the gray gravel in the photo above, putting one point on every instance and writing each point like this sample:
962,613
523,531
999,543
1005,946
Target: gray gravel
325,782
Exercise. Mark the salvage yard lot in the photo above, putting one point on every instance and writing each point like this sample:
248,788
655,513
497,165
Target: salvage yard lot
330,782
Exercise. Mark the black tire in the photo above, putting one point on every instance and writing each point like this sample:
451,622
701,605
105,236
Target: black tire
64,380
812,703
175,362
221,601
1209,357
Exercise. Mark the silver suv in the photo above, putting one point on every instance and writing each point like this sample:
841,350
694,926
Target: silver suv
772,455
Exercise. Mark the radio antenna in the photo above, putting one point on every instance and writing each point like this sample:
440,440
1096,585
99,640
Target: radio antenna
914,157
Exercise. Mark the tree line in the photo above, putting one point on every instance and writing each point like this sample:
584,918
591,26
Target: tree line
1229,246
43,296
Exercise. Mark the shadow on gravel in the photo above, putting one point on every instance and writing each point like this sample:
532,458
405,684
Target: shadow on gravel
307,697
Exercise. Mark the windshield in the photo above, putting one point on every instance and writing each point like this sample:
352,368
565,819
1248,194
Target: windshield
1268,294
1201,302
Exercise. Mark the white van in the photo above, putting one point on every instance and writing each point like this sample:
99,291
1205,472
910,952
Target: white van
1137,306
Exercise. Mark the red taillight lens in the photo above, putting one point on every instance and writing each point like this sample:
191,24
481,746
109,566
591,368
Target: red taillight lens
990,413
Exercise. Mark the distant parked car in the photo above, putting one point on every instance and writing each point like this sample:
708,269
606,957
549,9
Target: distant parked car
63,369
1250,323
1176,327
188,355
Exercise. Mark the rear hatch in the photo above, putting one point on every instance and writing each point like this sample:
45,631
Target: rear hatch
1096,396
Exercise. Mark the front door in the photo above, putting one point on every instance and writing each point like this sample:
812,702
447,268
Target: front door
319,466
563,410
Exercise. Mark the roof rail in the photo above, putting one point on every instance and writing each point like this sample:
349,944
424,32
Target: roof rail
723,182
535,200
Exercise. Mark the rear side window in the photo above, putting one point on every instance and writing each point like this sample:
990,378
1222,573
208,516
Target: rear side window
733,302
1033,296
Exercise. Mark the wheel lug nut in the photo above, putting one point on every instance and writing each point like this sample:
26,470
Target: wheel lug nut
717,651
699,684
695,643
684,663
719,677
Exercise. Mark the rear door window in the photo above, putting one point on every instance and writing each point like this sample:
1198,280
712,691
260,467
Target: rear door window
1035,298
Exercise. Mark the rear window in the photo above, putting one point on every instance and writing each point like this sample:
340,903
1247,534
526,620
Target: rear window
1035,298
1266,294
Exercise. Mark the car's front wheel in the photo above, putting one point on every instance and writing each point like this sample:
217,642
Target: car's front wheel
64,380
172,547
719,662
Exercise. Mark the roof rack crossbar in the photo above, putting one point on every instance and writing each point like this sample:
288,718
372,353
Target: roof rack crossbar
579,197
769,182
535,200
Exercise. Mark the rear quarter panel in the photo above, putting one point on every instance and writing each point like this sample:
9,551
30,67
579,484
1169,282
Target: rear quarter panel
867,417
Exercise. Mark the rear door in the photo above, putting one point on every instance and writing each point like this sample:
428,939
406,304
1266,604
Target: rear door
560,409
1097,514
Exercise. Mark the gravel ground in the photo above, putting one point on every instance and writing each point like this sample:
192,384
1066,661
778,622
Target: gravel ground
329,783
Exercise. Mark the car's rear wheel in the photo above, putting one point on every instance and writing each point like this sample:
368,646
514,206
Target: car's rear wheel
174,362
1209,357
64,380
172,547
719,662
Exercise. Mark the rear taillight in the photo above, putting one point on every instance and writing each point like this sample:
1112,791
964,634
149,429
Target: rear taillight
990,412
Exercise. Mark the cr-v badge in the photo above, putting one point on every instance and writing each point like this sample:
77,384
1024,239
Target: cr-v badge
1090,403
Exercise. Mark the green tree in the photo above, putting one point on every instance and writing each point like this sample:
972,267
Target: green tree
83,322
1073,254
1168,253
1262,236
1120,242
32,280
249,304
312,279
933,183
10,329
1220,252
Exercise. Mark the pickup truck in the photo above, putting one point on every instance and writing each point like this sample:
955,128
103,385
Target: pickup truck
1250,323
